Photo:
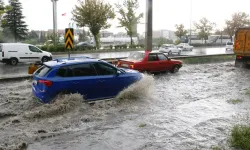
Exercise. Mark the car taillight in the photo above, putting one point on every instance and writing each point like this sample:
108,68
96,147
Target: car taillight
118,63
45,82
239,57
132,66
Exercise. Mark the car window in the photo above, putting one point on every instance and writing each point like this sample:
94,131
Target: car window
82,70
162,57
64,72
1,48
104,69
42,71
152,57
136,56
229,43
34,49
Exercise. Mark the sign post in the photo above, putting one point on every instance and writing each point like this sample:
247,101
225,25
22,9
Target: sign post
69,39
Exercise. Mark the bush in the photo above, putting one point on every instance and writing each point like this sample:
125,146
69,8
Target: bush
132,46
240,137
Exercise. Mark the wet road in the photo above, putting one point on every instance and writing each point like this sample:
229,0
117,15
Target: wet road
188,110
21,69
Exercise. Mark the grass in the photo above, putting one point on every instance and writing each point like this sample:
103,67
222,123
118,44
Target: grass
208,59
99,50
240,137
235,101
142,125
247,92
215,148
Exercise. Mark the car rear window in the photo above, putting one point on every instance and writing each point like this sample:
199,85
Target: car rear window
136,56
43,71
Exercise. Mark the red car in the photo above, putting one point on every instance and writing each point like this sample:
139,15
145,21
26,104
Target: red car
150,62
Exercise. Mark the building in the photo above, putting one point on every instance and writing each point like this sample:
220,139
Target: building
165,34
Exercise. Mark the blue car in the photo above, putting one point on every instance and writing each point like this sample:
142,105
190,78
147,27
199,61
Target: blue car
94,79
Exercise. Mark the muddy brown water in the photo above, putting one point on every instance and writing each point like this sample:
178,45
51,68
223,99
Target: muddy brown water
192,109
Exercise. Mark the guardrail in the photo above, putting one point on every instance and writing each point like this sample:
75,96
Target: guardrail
114,60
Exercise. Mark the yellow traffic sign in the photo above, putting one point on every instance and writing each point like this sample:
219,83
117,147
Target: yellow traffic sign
69,38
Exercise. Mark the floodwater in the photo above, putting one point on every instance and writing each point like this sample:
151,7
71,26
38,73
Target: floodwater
192,109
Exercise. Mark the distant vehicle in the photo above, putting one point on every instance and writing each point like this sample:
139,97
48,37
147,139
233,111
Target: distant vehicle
84,45
170,49
185,46
242,47
13,53
92,78
150,62
229,46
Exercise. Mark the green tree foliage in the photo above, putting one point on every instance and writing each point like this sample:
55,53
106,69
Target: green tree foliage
13,24
93,14
204,28
83,36
239,19
180,31
128,18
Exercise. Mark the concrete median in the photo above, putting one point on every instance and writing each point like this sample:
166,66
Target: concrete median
185,59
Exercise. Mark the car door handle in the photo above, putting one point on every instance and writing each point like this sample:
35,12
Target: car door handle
75,82
101,81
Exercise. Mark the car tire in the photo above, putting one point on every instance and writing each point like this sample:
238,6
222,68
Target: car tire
45,59
13,61
175,69
170,53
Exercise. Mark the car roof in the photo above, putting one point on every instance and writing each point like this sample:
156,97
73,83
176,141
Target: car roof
151,52
14,44
71,61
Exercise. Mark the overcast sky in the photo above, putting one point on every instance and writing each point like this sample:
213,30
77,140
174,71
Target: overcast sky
166,13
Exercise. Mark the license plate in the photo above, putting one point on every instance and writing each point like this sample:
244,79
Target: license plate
124,65
34,82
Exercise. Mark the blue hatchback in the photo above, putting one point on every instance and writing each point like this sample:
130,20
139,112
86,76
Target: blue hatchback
94,79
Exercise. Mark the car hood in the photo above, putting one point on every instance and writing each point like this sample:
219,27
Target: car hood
48,53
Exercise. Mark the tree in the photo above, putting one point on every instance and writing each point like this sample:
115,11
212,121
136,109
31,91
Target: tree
180,31
93,14
13,24
239,19
128,18
204,28
82,36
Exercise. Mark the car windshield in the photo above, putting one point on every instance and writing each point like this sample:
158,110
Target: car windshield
136,56
43,71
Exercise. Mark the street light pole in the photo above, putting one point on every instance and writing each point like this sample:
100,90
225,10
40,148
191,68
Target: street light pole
54,19
149,25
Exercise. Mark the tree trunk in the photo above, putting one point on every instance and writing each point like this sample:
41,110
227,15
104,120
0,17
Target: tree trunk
97,43
131,40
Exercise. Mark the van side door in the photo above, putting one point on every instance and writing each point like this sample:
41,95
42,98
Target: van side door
35,54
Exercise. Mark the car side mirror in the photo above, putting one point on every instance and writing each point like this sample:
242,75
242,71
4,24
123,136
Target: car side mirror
118,72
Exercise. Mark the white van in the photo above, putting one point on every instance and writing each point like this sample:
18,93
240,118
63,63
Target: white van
13,53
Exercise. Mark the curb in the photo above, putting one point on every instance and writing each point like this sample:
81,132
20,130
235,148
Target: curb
15,78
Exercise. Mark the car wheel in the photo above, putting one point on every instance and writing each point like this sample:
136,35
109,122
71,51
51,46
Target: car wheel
175,69
13,61
170,53
45,59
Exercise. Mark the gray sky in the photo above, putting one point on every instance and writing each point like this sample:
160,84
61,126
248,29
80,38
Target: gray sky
166,13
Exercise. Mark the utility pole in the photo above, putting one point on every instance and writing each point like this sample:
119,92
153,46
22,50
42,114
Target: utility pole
54,20
190,32
149,25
